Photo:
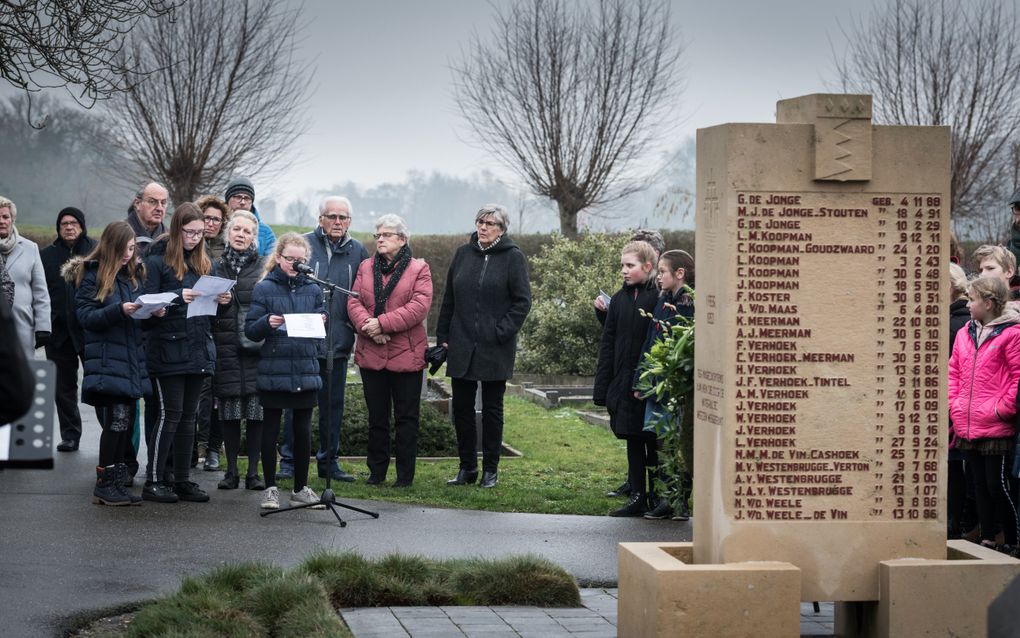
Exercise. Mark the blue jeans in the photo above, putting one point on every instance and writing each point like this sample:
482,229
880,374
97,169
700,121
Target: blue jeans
329,431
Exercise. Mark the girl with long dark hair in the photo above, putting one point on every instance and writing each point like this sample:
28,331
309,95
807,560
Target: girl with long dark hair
108,281
181,356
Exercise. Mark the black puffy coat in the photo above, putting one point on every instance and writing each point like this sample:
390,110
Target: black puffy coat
177,345
237,357
62,321
287,364
114,353
619,353
487,298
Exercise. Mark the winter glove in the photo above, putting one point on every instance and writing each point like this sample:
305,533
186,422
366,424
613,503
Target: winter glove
42,339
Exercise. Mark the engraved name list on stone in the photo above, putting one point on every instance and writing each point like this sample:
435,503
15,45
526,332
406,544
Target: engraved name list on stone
801,349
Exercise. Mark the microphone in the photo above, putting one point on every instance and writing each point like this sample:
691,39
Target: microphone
307,271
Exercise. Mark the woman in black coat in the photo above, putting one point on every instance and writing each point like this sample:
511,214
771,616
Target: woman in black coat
487,298
619,354
288,371
181,355
108,281
237,357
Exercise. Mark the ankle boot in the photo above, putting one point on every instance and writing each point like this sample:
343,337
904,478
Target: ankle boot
124,481
636,506
464,477
107,492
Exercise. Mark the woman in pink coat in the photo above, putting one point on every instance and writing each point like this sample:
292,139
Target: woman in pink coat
984,371
394,295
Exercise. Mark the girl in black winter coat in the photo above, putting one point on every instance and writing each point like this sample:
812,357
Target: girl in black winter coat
181,354
237,357
108,281
619,355
288,371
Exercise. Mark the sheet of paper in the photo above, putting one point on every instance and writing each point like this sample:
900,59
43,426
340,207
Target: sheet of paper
207,288
305,325
152,303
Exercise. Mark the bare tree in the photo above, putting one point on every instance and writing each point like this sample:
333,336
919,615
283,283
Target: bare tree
947,63
569,95
70,44
227,94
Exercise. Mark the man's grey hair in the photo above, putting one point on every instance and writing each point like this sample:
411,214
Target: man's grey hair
7,203
336,199
396,222
141,189
243,214
498,212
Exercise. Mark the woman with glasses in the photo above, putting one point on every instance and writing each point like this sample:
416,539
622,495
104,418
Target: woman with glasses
288,370
394,296
180,355
487,297
208,433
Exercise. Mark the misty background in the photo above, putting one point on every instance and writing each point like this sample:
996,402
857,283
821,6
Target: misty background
384,129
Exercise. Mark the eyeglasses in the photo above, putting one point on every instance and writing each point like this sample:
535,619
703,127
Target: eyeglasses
213,220
192,233
337,218
386,235
293,260
488,223
70,223
155,202
241,197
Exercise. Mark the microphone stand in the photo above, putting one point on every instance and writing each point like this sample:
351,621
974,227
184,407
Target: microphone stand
327,497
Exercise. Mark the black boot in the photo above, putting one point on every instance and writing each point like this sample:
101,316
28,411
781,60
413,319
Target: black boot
489,479
636,506
623,490
464,477
125,481
107,492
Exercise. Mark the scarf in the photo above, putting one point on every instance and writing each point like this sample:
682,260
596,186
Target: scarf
489,247
395,269
237,261
7,244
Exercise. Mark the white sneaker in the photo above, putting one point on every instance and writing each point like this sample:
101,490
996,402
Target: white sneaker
271,499
305,496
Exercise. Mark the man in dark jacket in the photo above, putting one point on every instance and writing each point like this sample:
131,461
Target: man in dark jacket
145,215
72,240
335,258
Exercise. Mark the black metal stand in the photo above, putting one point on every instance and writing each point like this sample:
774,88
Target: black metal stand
327,498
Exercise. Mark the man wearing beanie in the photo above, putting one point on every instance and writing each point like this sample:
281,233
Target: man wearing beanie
240,195
72,240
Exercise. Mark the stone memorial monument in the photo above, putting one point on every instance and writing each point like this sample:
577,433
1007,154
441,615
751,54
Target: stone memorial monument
820,399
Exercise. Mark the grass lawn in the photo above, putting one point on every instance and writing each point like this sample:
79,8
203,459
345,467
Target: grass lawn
566,468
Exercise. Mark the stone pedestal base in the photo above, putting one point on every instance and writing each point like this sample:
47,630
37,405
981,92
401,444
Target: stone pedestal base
932,597
663,593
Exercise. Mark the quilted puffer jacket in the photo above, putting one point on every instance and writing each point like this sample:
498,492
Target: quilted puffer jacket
984,372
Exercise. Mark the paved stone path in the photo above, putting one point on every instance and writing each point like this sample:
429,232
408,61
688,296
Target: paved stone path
597,619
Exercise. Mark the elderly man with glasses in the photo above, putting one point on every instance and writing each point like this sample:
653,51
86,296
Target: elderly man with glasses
335,258
145,215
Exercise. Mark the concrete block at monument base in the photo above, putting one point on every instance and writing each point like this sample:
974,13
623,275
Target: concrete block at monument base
932,597
663,593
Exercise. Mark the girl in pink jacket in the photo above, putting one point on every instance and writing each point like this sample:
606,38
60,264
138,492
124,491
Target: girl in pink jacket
984,371
394,295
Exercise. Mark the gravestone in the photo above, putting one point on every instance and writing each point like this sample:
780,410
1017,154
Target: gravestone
820,389
821,357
